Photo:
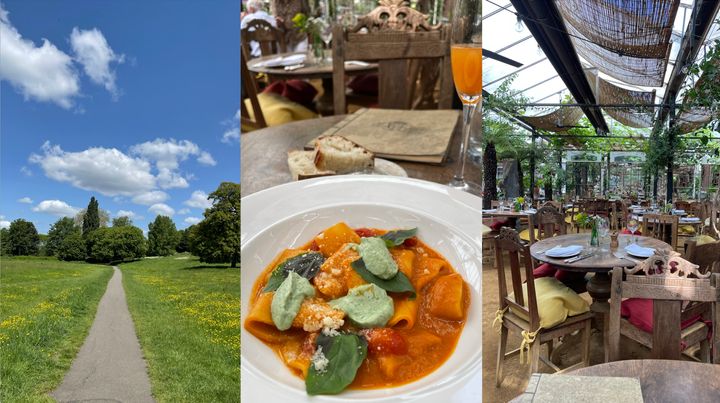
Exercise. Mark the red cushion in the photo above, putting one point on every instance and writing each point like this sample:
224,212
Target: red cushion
365,84
544,270
639,312
626,231
495,226
298,91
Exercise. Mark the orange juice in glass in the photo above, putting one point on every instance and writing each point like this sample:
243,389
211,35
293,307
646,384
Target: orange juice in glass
466,62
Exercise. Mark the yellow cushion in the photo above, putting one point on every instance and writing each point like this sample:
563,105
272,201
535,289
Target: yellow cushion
686,229
525,234
279,110
703,239
555,302
568,219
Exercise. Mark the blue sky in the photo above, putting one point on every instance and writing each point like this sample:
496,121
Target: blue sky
133,102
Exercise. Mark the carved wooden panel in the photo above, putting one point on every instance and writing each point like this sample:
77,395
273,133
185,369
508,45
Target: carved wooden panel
394,15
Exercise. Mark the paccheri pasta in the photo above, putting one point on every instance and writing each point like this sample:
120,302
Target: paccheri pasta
359,308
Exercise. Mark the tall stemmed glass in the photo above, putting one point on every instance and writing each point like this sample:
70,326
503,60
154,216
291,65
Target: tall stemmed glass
466,59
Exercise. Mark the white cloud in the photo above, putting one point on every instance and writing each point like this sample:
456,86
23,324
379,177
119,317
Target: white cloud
192,220
231,135
206,159
125,213
184,211
26,171
95,54
3,222
26,200
43,73
104,170
56,207
162,209
167,155
148,198
198,199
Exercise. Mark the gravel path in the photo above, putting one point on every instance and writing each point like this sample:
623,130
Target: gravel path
110,365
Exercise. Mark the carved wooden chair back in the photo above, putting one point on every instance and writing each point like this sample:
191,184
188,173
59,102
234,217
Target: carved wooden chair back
666,281
577,208
661,226
683,205
554,204
394,34
271,39
705,256
548,221
508,245
249,91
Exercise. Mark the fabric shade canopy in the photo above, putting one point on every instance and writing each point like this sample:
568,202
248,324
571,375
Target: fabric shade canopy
608,93
556,121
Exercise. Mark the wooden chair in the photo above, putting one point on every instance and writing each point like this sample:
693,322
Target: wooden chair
516,309
705,256
393,40
554,204
661,226
548,221
668,290
249,90
271,39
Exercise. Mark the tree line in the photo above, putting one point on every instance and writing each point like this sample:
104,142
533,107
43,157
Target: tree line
215,239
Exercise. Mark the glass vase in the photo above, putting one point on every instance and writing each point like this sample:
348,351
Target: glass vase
594,238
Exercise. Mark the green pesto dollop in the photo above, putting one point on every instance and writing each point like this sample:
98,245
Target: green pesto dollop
377,258
366,305
288,298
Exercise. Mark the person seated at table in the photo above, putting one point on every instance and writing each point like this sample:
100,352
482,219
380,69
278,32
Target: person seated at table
255,12
626,231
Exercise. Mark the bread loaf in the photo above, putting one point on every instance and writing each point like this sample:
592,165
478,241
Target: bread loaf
336,153
302,165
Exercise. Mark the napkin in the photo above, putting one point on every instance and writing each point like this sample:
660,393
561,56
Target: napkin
562,251
492,210
691,219
531,211
637,250
678,211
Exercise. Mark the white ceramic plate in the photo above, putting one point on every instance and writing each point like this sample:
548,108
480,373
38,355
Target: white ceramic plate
567,251
639,251
290,214
385,167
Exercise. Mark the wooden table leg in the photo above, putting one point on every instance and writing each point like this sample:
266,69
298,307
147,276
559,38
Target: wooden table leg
599,289
324,104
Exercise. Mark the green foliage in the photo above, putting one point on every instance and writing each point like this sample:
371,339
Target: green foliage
103,217
183,244
163,236
4,245
57,234
23,238
216,239
115,244
91,221
72,247
122,221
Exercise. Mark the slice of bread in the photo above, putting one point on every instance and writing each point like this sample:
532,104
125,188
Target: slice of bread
302,165
336,153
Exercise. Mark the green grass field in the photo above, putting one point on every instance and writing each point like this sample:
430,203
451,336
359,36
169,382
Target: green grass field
187,316
46,312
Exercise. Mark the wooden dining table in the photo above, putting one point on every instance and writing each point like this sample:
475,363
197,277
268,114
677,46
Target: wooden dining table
601,263
665,380
321,71
263,155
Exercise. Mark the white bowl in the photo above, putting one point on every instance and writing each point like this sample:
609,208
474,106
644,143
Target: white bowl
264,377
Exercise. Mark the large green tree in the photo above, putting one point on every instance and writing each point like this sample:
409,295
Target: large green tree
4,248
116,244
184,239
122,221
91,221
23,238
216,239
57,234
72,247
163,236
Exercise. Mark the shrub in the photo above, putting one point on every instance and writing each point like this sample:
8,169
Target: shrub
116,244
72,247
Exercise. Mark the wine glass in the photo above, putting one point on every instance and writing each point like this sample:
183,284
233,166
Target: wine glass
603,227
326,36
466,60
632,226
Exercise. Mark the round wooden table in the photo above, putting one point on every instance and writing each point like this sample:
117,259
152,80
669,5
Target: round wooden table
263,155
311,71
601,263
665,380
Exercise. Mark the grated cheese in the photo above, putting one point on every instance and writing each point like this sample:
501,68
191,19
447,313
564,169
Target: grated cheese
319,360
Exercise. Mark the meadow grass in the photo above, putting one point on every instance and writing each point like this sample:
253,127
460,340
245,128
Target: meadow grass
46,312
187,316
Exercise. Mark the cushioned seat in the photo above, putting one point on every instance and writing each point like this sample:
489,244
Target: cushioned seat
525,234
704,239
639,312
572,279
555,301
279,110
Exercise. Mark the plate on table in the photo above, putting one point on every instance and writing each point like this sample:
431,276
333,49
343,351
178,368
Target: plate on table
564,251
281,61
385,167
291,214
639,251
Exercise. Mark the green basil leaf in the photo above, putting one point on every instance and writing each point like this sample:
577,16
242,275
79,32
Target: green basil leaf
397,237
306,265
399,283
345,353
